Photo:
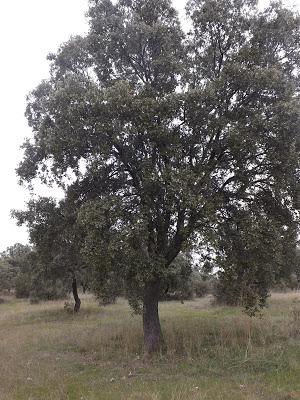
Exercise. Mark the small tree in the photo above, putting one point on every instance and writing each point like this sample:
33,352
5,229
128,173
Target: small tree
57,240
254,250
7,276
24,273
167,130
18,262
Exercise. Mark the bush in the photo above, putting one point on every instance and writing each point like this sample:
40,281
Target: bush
34,300
7,276
290,283
39,288
185,292
23,286
47,290
226,295
201,288
240,292
105,300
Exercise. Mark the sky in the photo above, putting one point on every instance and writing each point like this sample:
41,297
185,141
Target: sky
29,30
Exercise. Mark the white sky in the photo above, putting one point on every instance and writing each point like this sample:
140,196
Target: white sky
29,30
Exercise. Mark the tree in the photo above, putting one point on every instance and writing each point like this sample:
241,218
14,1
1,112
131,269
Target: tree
17,260
22,270
7,276
254,251
163,131
297,268
57,240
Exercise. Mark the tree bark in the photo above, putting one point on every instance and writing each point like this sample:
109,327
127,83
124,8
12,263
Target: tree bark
75,295
153,339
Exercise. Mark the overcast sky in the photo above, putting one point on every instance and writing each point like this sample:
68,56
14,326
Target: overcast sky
29,30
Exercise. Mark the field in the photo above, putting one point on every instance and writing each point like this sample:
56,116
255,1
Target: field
213,352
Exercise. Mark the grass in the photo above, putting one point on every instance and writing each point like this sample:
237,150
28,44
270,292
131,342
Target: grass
214,353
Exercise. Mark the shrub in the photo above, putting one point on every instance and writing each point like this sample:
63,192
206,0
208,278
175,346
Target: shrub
23,286
286,284
47,290
226,295
201,288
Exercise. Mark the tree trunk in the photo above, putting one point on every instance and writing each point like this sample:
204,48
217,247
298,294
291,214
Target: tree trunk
153,339
75,295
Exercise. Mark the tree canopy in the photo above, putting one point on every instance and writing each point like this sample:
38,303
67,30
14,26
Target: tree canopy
165,137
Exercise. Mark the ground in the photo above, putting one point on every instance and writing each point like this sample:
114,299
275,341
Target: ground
214,353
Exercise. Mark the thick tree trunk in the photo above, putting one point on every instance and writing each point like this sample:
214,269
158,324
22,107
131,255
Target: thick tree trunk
75,295
153,339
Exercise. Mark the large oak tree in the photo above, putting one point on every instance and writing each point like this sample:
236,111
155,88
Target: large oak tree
164,133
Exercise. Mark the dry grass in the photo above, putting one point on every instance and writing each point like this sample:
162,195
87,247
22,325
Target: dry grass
213,352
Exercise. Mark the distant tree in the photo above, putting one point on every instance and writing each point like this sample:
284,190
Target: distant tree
178,282
164,131
7,276
254,251
17,258
297,269
202,284
24,273
57,240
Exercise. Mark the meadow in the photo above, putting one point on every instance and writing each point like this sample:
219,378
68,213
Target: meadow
213,352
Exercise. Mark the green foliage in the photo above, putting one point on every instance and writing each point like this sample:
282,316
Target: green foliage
7,276
23,286
14,269
47,289
287,284
255,249
178,283
57,240
36,284
106,291
23,272
201,287
175,138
